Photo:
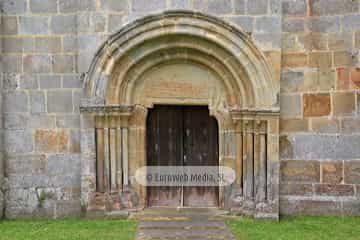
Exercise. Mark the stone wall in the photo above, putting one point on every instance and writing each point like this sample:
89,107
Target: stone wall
320,124
47,46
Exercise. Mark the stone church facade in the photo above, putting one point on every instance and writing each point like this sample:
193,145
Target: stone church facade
80,80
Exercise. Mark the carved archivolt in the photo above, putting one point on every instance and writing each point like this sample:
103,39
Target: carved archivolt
185,37
183,58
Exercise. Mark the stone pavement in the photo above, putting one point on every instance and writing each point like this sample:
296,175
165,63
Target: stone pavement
168,223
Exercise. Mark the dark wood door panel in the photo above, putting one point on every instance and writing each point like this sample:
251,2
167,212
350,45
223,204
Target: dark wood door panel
164,139
182,136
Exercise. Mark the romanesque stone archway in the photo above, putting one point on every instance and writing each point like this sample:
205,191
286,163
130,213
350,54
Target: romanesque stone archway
180,58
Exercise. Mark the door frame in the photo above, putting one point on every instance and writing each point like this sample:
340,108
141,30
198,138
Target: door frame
218,201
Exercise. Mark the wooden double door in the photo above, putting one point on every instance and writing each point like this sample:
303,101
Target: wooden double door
182,136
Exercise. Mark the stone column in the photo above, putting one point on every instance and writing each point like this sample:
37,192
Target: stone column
2,170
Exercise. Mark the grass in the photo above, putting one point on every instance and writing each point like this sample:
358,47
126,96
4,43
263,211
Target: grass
297,228
74,229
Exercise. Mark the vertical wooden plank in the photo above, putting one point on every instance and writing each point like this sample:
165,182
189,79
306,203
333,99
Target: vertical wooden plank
119,166
263,168
239,155
113,167
106,160
125,155
257,161
100,160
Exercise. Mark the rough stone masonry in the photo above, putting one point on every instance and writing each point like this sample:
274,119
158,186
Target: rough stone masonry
48,45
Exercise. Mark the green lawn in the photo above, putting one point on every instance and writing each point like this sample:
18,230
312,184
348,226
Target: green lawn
67,229
297,228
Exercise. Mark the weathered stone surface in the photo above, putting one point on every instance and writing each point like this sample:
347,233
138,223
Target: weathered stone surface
70,43
293,25
28,81
325,125
68,121
61,164
298,189
358,103
40,6
334,190
357,39
316,105
355,78
15,102
300,171
74,144
16,120
49,81
72,81
63,64
37,63
53,99
26,165
332,172
313,41
343,103
51,141
332,7
180,4
299,206
220,6
239,6
9,25
320,60
343,79
326,147
352,172
290,105
48,44
142,6
18,141
66,209
63,24
351,22
12,45
257,7
115,22
294,8
294,60
350,125
245,23
340,41
37,102
342,59
70,6
41,121
13,6
267,24
294,125
33,25
324,24
11,63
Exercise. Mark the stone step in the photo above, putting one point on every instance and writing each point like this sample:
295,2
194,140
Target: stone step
182,225
184,234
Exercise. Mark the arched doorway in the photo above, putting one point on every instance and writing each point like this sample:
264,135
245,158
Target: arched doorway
187,59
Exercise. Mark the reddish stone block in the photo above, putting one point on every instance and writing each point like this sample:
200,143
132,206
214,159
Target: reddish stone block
343,79
332,172
300,171
316,105
334,190
355,78
51,141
